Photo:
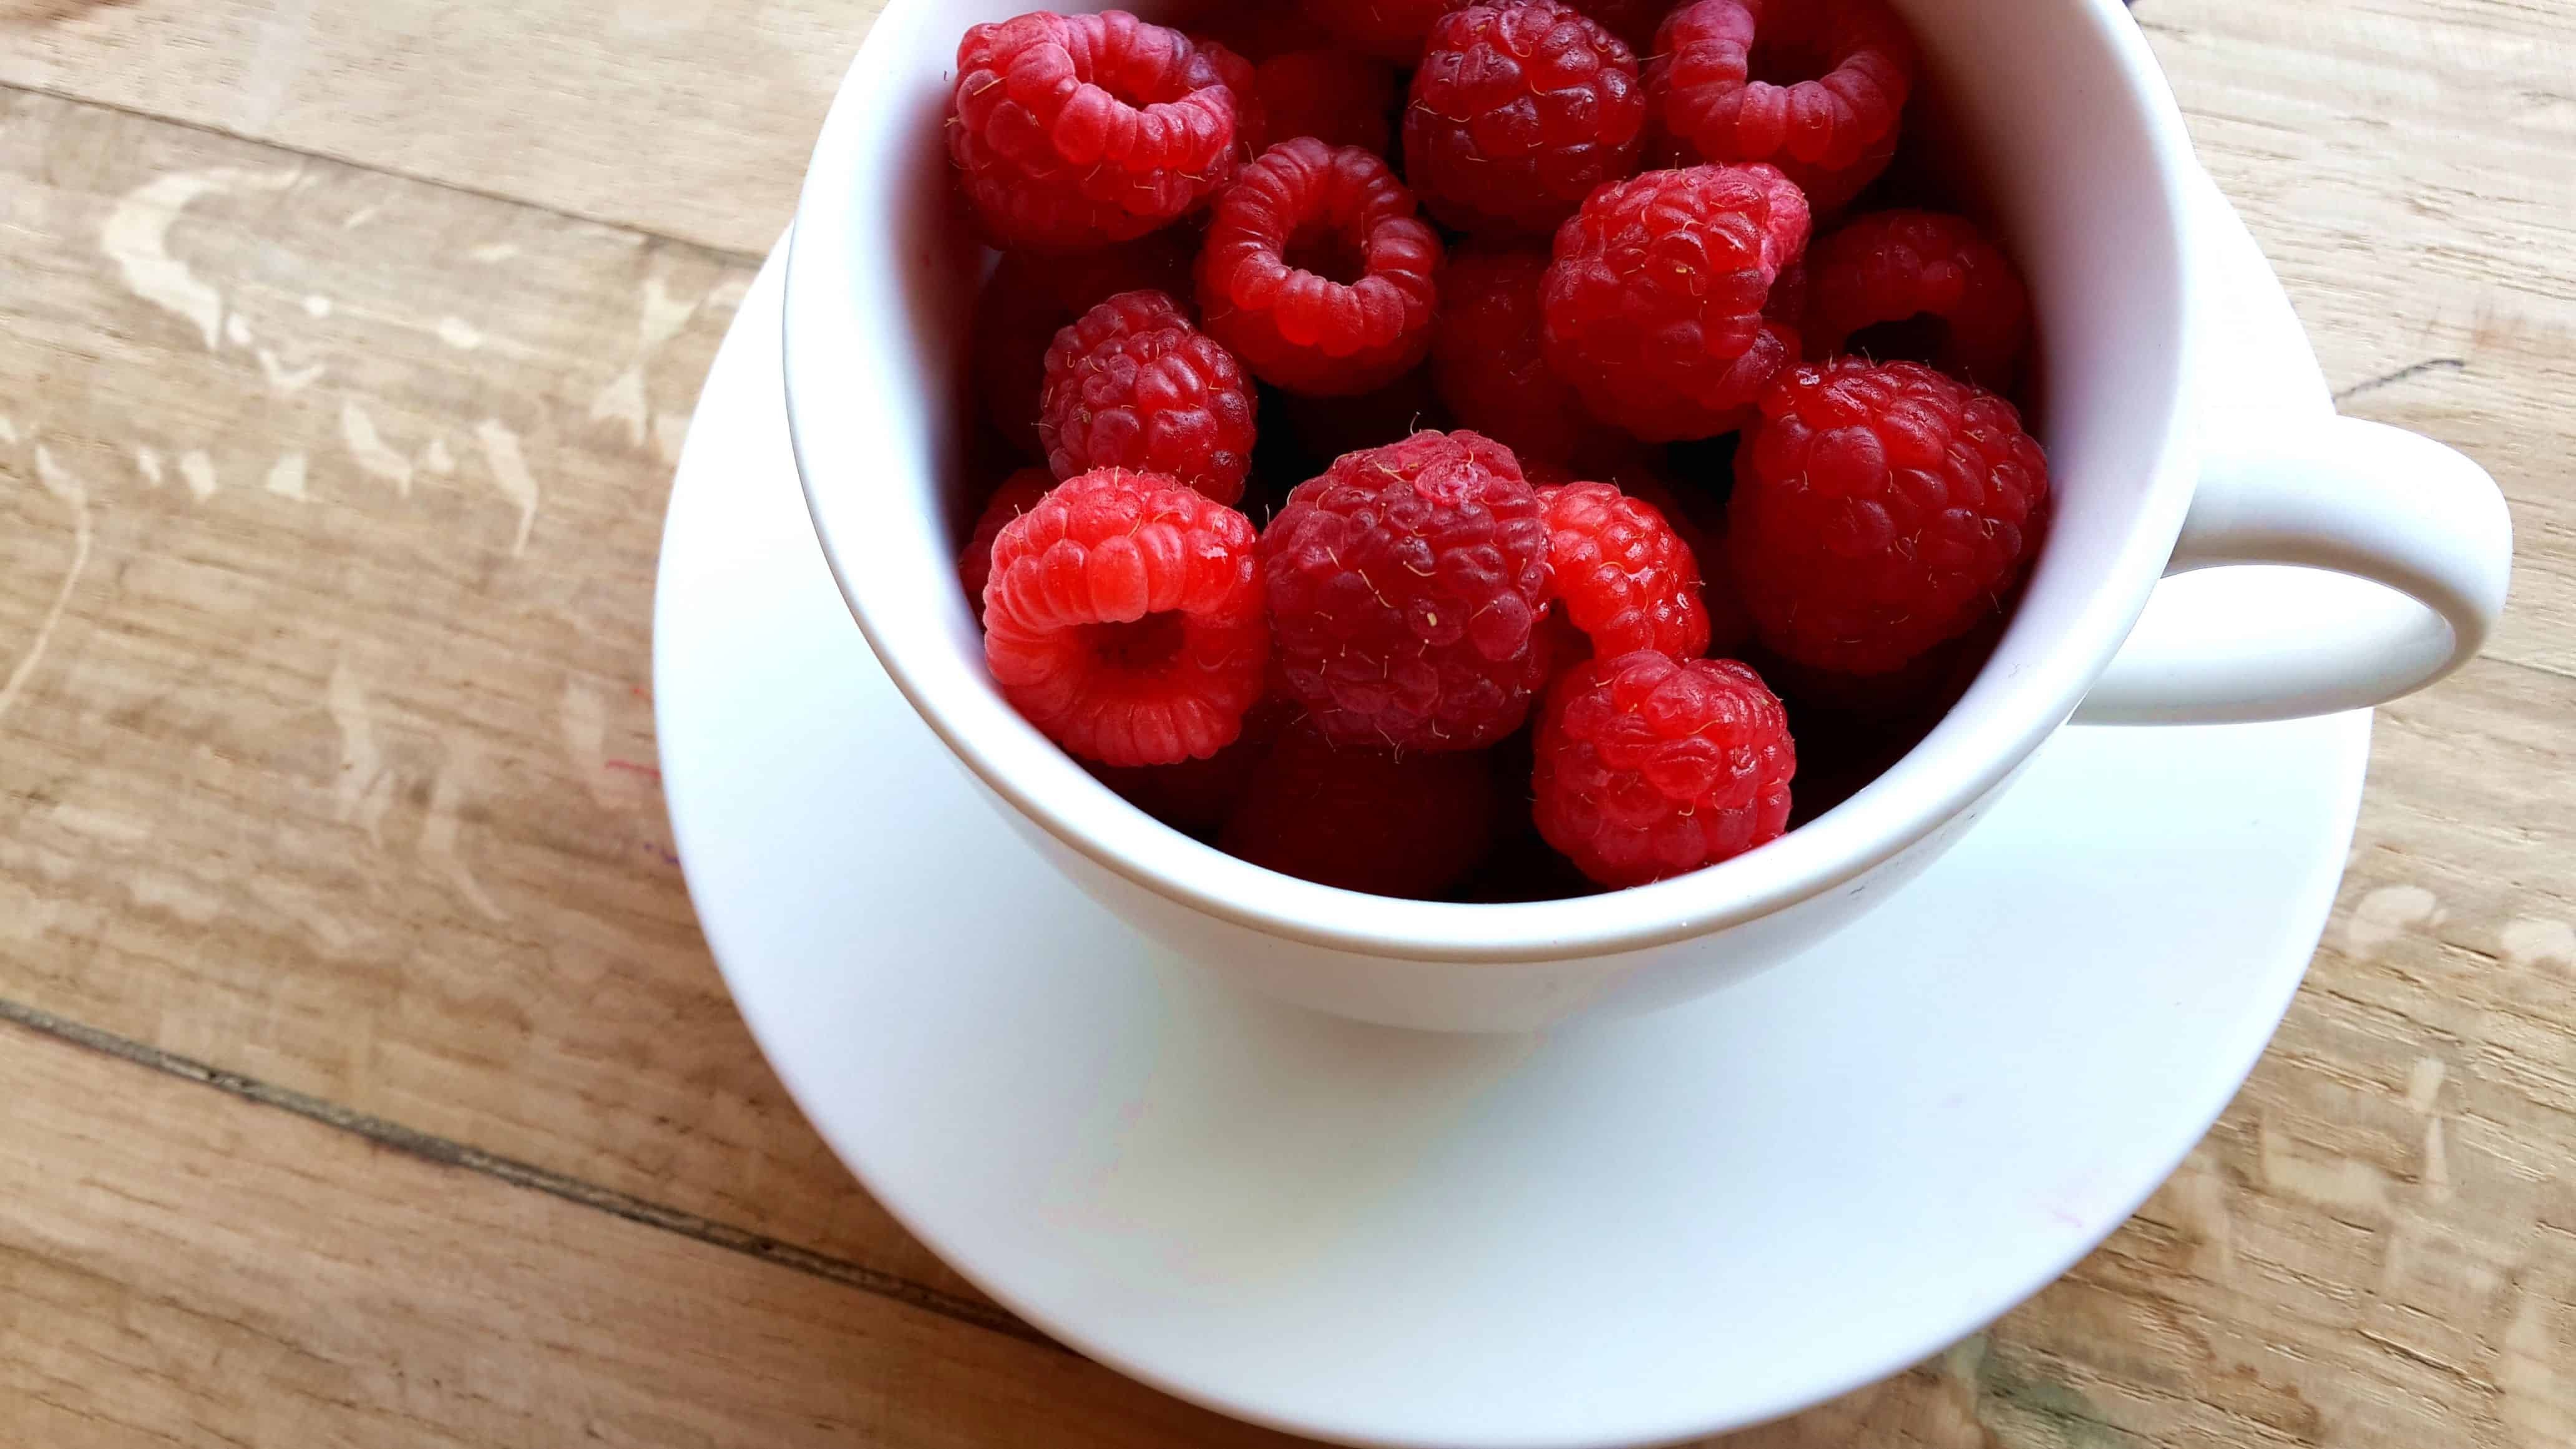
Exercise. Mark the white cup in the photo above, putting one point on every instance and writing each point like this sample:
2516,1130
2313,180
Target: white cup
2091,177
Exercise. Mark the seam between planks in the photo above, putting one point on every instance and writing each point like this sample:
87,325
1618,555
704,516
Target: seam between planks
74,98
527,1176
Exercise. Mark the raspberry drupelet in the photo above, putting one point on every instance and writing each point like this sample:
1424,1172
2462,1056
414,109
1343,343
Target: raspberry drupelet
1488,356
1405,588
1123,619
1317,273
1650,767
1880,510
1391,30
1133,385
1814,87
1518,110
1407,825
1074,131
1923,273
1622,574
1654,303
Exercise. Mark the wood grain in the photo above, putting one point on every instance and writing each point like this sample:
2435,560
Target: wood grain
324,760
178,1266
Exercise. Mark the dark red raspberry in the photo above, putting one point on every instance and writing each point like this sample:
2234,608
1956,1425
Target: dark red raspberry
1261,32
1123,619
1651,767
1634,21
1489,356
1317,273
1390,824
1391,30
1879,510
1405,584
1928,274
1032,296
1196,796
1336,97
1019,493
1815,88
1654,303
1133,385
1622,574
1073,131
1252,131
1517,112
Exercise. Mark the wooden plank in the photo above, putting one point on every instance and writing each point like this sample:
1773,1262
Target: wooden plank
329,505
686,118
179,1266
2405,164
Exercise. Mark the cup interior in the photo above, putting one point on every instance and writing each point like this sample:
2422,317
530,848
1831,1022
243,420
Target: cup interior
2079,161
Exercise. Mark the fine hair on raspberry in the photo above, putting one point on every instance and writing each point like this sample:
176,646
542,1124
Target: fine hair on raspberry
1123,619
1073,131
1317,272
1405,589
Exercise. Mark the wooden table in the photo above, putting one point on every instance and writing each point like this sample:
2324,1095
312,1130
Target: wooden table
366,1079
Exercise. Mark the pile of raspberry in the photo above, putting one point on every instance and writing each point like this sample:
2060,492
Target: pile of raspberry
1473,451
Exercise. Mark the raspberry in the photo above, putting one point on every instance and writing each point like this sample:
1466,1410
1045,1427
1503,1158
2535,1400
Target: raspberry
1317,273
1404,587
1488,357
1654,303
1622,575
1651,767
1262,32
1123,619
1879,510
1922,272
1330,427
1072,131
1518,111
1019,493
1195,796
1134,385
1336,97
1031,297
1815,88
1391,30
1363,819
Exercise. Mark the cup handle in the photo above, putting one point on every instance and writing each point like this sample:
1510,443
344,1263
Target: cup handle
2340,494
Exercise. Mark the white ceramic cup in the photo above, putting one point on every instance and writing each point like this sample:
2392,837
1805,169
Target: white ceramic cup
2091,177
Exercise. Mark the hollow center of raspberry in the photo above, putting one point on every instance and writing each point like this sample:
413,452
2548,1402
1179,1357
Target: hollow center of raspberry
1138,648
1920,338
1785,60
1325,251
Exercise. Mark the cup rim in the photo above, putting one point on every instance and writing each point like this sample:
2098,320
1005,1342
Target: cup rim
1904,807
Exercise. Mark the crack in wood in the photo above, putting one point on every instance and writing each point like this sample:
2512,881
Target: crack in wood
2403,374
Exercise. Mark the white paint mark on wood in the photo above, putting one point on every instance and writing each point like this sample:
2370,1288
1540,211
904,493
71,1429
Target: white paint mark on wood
286,480
2388,913
670,430
2424,1083
436,459
2339,1182
2526,1372
284,380
155,892
8,432
439,833
501,453
727,295
137,239
237,331
663,315
622,401
199,470
364,788
99,825
317,306
367,446
361,217
69,491
494,252
2529,941
148,463
458,333
2437,1162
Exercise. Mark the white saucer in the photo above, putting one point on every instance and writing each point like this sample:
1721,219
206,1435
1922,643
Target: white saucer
1630,1232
